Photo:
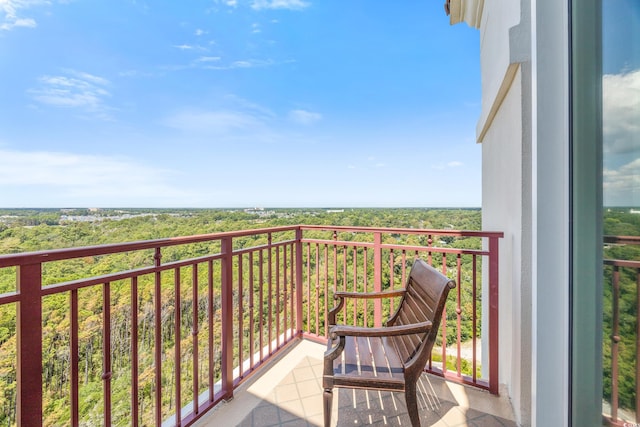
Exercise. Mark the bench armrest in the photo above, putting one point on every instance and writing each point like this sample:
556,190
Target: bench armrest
388,331
370,295
341,296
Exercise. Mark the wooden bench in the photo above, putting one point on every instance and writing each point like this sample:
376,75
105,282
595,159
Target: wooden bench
392,357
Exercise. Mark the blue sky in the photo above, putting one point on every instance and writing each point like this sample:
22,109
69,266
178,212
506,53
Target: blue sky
621,102
237,103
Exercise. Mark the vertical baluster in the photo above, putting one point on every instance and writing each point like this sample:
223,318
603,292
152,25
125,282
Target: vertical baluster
135,417
335,268
277,297
391,266
317,289
227,318
210,316
344,278
392,286
177,354
494,301
355,285
459,312
474,316
294,293
270,292
240,319
326,290
158,338
637,347
75,420
299,283
404,268
261,297
308,287
444,320
365,275
106,351
29,345
377,278
251,309
615,339
285,293
195,330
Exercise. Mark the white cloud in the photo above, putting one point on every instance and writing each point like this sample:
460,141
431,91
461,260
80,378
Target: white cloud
304,117
621,112
76,89
622,186
252,63
18,22
184,47
443,166
244,63
10,11
57,178
255,28
200,32
217,122
280,4
208,59
246,105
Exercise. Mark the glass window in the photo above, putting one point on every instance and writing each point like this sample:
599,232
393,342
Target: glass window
621,208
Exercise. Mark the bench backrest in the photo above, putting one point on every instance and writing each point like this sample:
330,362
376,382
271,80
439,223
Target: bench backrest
425,298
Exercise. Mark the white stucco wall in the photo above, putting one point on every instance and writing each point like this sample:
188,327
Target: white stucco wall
503,209
523,129
504,129
497,18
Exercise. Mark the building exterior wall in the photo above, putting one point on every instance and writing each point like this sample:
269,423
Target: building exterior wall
505,131
551,196
495,58
524,128
505,208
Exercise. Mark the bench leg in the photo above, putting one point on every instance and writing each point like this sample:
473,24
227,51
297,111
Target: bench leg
327,401
412,403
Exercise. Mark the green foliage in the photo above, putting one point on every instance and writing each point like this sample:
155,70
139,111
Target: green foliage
620,222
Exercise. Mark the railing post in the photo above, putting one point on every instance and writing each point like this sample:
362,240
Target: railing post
29,346
299,281
227,318
157,302
377,278
494,332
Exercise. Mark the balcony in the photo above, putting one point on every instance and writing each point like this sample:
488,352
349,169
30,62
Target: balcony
196,318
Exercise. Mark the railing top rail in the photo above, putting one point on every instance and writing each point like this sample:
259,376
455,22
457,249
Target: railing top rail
622,263
623,240
439,232
26,258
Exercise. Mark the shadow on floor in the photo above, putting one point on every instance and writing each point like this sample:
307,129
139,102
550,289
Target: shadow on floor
297,401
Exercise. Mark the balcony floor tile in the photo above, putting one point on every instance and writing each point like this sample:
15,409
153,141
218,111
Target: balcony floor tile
288,392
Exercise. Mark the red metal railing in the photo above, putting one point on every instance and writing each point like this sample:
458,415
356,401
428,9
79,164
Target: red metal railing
622,299
342,260
195,316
